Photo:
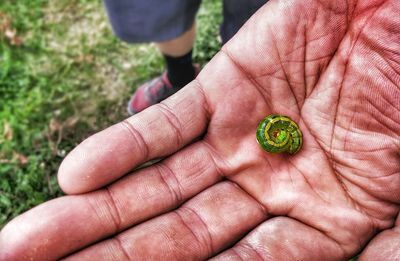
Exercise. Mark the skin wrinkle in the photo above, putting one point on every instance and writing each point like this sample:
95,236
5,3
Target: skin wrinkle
111,216
213,154
285,74
369,191
329,55
320,148
307,182
378,246
273,174
330,8
159,163
346,63
247,74
355,202
262,207
358,203
363,207
355,172
347,192
235,252
175,191
138,138
276,77
385,74
173,120
352,199
391,66
379,49
94,205
294,73
210,245
305,63
326,234
331,157
270,73
379,120
388,219
385,176
118,243
244,73
292,183
320,69
254,250
311,40
114,211
206,107
237,170
319,140
212,166
347,130
286,77
383,97
363,132
367,149
203,244
388,127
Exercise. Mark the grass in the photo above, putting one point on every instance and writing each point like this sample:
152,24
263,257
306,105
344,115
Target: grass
63,77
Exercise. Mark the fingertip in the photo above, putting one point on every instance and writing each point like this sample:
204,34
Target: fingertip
100,159
70,175
5,249
85,168
64,178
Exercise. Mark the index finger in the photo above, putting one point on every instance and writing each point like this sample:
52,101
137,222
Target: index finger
156,132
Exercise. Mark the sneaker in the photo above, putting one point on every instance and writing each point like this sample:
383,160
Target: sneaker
152,92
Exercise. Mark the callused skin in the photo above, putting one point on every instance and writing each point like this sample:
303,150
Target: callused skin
331,66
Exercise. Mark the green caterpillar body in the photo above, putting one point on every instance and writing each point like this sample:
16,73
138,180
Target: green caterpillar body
278,133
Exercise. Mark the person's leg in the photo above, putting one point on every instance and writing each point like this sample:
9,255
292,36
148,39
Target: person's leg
169,24
179,72
178,58
180,45
236,13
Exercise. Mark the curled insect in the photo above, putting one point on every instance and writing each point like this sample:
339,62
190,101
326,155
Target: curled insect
278,133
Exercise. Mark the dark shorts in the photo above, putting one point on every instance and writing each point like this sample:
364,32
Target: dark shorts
137,21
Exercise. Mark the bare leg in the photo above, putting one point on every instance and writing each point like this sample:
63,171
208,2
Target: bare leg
179,46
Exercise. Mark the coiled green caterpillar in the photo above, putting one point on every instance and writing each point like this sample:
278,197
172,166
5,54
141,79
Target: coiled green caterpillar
278,133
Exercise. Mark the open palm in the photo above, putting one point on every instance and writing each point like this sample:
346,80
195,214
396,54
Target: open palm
333,67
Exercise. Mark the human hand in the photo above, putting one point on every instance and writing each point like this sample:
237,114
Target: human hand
333,67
